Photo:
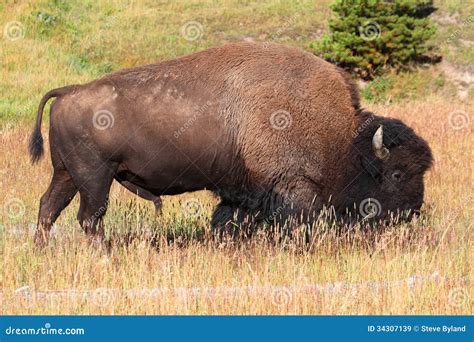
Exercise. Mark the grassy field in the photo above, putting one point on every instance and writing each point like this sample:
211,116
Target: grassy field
424,267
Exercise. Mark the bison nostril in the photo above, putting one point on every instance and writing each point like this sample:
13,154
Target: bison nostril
396,175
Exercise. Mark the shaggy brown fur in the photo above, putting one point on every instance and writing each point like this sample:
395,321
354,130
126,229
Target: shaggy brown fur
268,128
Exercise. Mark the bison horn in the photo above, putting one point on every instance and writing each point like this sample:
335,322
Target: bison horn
380,150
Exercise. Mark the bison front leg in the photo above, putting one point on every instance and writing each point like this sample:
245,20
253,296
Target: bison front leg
296,208
230,220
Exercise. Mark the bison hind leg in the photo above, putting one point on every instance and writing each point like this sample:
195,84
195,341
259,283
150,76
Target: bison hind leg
59,194
94,191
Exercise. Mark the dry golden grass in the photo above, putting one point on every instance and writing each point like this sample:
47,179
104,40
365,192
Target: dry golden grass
437,248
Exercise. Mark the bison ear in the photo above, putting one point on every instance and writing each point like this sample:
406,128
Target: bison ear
380,151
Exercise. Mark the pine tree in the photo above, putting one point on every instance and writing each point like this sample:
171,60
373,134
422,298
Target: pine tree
367,37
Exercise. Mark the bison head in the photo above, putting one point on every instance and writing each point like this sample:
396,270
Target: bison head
389,161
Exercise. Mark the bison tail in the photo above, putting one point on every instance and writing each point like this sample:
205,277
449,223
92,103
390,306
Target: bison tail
36,145
36,140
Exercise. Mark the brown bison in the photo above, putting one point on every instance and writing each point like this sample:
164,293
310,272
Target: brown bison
274,131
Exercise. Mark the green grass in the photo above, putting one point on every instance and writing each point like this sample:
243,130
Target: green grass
68,42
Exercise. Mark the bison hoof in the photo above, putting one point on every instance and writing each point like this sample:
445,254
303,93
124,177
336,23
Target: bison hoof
41,238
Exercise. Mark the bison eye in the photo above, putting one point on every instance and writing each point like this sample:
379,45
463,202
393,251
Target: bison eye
396,175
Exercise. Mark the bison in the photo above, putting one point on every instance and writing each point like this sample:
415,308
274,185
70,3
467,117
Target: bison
274,131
